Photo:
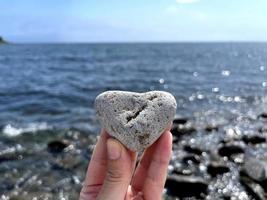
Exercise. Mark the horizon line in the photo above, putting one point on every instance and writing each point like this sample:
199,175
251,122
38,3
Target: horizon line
138,42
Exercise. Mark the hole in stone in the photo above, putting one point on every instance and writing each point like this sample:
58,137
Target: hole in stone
112,128
152,97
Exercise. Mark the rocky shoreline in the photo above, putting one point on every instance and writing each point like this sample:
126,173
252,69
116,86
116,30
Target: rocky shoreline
210,161
2,41
234,169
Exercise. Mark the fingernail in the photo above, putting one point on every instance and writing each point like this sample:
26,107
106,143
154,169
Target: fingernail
114,149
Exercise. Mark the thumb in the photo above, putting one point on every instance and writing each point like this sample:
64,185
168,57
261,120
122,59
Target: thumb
119,171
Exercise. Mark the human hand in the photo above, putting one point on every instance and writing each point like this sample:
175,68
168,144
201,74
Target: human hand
111,173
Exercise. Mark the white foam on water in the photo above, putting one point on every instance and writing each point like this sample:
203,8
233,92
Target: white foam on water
12,131
225,73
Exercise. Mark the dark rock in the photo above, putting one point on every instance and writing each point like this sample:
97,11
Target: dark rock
230,149
179,130
262,116
175,139
253,189
217,168
255,139
180,121
7,185
2,41
57,146
193,150
11,154
6,158
226,197
211,128
186,186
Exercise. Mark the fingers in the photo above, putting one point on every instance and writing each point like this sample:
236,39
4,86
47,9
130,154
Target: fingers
142,169
97,168
119,171
119,164
152,171
157,172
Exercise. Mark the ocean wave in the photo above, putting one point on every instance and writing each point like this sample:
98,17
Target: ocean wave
12,131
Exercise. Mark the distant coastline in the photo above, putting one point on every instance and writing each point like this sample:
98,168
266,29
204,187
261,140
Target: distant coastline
2,41
222,42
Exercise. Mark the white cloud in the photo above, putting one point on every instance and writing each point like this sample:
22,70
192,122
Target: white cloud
186,1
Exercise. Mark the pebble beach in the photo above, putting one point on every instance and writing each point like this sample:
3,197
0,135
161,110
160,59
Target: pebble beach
48,126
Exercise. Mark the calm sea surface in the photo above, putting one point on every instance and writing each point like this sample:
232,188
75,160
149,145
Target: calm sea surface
47,93
55,85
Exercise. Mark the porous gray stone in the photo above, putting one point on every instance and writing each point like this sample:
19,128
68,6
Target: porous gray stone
136,119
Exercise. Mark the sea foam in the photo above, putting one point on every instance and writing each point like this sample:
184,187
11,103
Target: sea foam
12,131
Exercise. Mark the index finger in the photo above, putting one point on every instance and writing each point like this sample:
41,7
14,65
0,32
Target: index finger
97,167
152,172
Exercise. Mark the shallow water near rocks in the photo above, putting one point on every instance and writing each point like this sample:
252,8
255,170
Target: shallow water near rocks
48,126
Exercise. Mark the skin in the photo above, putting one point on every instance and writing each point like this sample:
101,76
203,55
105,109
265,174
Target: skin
113,176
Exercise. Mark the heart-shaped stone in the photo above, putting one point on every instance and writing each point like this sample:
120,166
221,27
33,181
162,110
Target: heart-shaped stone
136,119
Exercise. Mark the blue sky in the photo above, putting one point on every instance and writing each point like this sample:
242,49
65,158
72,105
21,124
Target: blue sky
133,20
